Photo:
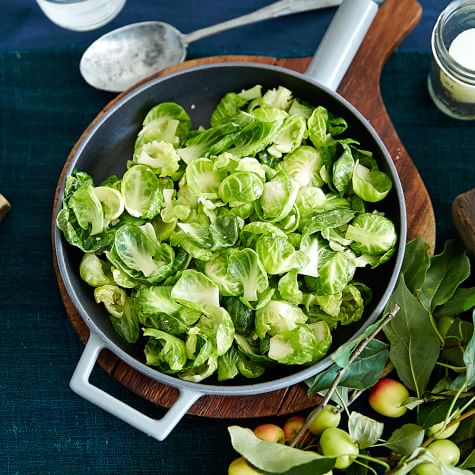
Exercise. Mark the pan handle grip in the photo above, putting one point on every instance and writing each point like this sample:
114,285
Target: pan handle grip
341,41
157,428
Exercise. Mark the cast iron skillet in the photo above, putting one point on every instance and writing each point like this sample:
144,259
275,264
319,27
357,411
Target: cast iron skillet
106,146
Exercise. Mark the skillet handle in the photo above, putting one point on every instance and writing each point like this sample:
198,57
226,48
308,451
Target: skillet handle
341,41
158,429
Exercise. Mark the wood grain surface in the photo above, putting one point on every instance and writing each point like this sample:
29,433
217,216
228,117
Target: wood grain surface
395,19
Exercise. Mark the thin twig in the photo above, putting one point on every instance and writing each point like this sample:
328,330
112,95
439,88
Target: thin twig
457,420
356,352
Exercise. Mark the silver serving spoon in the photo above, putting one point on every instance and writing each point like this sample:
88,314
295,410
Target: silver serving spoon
120,58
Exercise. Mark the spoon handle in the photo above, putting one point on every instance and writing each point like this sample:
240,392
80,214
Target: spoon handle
274,10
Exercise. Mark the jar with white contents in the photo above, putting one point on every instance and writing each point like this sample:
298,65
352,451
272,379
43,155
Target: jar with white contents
452,78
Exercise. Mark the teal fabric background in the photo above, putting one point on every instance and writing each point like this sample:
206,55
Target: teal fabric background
44,427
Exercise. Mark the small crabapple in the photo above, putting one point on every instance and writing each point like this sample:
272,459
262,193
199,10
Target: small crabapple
326,418
292,426
445,451
241,467
337,443
387,396
437,431
270,433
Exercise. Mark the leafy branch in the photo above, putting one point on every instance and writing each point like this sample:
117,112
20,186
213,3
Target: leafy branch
339,375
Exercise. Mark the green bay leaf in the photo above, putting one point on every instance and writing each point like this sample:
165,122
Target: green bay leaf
414,345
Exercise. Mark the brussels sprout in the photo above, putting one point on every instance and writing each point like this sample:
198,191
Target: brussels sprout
135,249
300,108
161,157
127,326
94,271
121,315
218,324
199,234
332,218
318,253
74,182
250,232
276,317
336,125
336,238
224,231
352,305
289,136
228,365
217,270
113,204
370,185
180,239
250,164
248,347
279,98
113,299
242,316
241,187
343,170
208,142
167,121
155,300
87,209
141,192
195,375
289,288
249,368
174,209
165,351
323,338
269,114
278,255
295,346
303,165
229,106
201,177
224,164
371,234
122,279
330,304
245,267
309,200
196,291
254,137
334,275
317,127
198,346
291,222
278,197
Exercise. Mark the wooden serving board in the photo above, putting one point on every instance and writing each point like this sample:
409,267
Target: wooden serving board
360,86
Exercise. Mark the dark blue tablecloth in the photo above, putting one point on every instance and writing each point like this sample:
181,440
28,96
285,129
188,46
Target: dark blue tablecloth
44,106
23,25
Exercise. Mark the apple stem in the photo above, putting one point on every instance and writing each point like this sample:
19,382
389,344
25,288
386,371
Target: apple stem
375,460
368,467
356,352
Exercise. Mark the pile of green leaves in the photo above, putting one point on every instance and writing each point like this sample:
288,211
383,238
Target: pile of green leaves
233,247
432,348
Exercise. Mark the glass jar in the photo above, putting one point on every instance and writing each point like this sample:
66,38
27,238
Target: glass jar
81,15
451,84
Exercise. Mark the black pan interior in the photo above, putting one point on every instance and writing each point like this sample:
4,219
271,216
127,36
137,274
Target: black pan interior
106,149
